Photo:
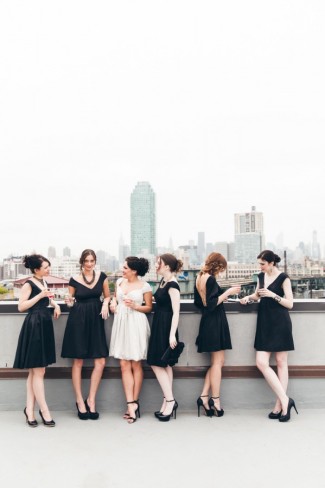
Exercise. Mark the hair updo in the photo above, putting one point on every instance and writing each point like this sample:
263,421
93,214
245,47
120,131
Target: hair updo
175,265
140,265
214,264
269,256
34,261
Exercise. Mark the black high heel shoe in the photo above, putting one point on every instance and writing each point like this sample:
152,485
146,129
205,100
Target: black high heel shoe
31,423
127,415
82,415
286,417
275,415
136,412
91,415
158,412
218,413
199,402
166,418
48,423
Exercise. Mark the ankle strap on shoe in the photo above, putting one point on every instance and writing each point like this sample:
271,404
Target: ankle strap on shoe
215,398
168,401
134,401
203,396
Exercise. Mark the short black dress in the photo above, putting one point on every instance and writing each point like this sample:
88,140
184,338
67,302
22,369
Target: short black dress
274,327
36,344
214,334
161,325
84,336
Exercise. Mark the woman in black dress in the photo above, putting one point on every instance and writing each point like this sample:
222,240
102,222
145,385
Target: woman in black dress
164,331
214,335
274,330
84,336
36,345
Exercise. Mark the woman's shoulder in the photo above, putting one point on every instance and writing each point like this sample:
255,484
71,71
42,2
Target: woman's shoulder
173,284
146,287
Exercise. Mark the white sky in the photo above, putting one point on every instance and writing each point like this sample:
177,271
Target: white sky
220,105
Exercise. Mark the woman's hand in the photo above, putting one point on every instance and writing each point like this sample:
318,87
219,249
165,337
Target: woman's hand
172,341
131,303
104,311
234,290
113,306
265,292
57,311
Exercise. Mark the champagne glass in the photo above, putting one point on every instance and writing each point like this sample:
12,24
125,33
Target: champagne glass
51,294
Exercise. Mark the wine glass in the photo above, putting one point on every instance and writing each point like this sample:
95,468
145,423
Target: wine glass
51,294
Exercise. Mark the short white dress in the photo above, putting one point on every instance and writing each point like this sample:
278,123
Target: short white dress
131,330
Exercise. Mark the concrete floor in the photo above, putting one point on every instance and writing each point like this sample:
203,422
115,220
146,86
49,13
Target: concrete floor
242,449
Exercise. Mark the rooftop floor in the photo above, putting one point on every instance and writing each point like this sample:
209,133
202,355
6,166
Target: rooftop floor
242,449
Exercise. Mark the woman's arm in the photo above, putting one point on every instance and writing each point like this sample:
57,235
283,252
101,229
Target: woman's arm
147,297
176,300
286,301
104,312
24,303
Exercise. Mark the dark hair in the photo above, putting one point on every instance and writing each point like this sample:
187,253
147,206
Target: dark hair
34,261
140,265
170,260
214,263
86,253
269,256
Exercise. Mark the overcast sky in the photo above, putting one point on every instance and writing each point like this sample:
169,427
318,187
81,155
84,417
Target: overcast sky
220,105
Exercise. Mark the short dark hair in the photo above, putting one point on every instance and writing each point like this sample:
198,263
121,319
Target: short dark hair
269,256
34,261
170,260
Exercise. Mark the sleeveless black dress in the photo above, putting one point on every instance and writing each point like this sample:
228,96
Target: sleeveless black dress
161,325
214,334
36,344
274,327
84,336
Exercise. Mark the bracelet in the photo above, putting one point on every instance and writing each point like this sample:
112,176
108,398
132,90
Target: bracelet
277,298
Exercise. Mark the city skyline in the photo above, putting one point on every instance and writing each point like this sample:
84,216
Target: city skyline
219,106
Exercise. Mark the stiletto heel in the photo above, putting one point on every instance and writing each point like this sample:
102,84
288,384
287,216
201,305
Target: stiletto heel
127,415
91,415
286,417
218,413
31,423
166,418
199,402
48,423
82,415
136,412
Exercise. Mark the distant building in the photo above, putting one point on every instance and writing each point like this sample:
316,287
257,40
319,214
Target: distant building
201,246
249,236
143,220
67,252
51,253
13,267
222,248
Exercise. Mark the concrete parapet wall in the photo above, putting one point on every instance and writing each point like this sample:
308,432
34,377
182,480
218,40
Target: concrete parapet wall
242,386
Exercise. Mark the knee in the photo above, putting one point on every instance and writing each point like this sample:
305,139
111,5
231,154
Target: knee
100,363
262,364
78,363
39,372
281,362
137,366
125,366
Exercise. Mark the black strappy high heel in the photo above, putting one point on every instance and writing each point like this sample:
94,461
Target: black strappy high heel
136,413
31,423
286,417
166,418
208,412
218,413
158,412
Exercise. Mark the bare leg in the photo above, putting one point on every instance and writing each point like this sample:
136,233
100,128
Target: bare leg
281,359
30,402
128,382
262,362
217,362
99,365
39,392
76,382
164,377
138,378
206,389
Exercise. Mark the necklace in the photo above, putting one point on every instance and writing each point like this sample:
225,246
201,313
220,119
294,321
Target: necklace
92,279
164,283
39,279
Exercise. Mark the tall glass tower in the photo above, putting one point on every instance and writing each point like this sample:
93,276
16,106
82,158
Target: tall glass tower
143,220
249,236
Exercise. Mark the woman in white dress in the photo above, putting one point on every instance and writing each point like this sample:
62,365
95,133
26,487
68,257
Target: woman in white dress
130,333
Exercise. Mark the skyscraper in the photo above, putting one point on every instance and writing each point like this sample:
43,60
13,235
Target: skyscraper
249,236
201,246
143,220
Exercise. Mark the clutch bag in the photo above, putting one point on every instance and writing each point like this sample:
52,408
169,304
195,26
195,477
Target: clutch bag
171,356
